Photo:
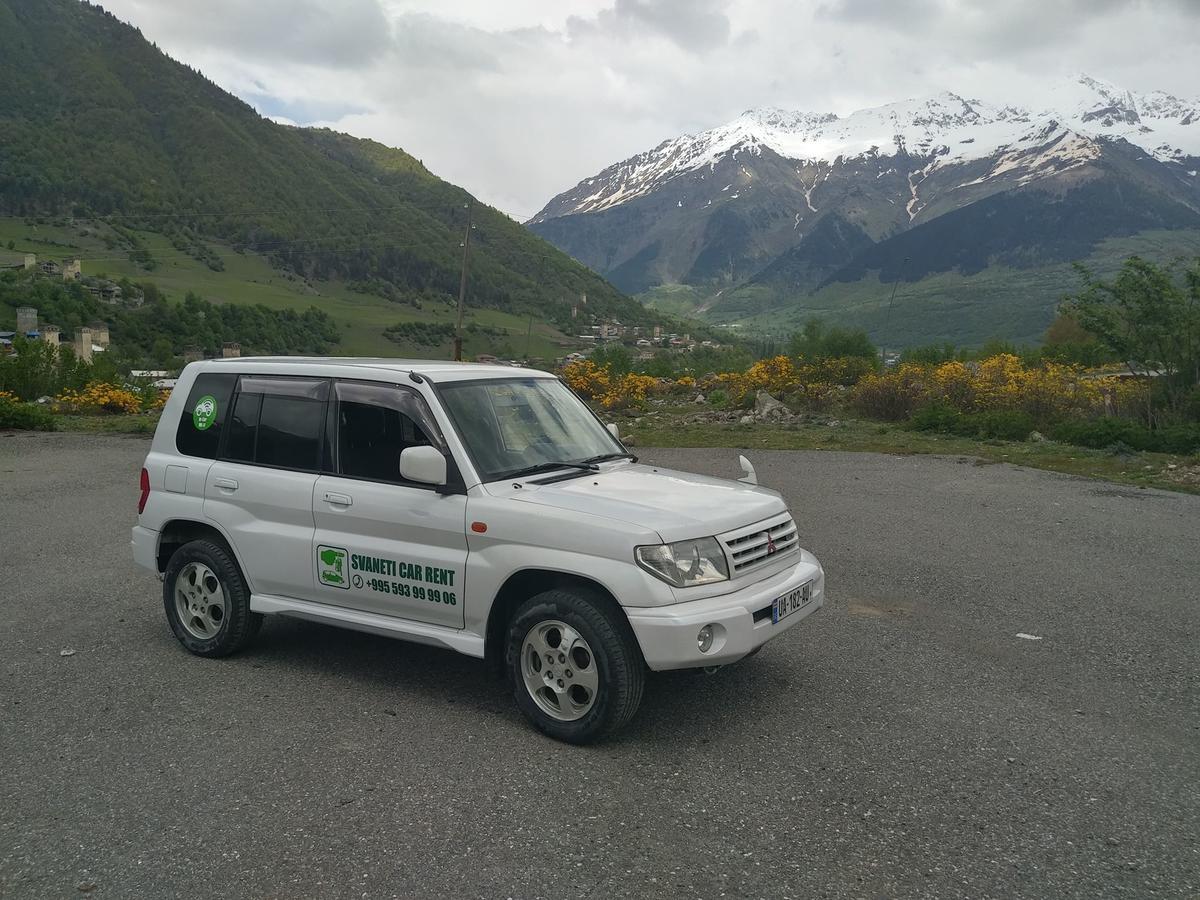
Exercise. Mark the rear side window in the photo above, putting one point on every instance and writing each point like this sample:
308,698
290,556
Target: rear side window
204,415
278,422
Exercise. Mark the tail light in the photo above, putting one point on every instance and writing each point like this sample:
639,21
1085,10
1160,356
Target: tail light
145,485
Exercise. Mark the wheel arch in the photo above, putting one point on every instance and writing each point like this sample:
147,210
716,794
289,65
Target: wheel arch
519,587
178,532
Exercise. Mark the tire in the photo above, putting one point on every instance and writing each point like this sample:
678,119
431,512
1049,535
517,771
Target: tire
576,668
207,601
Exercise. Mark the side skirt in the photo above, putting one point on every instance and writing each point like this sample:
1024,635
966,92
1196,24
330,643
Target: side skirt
388,626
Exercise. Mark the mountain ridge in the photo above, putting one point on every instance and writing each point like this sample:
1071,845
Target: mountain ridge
98,122
721,212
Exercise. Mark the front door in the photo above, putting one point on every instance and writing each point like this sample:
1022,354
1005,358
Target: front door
382,545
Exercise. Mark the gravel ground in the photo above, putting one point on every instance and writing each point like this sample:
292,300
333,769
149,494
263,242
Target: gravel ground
907,740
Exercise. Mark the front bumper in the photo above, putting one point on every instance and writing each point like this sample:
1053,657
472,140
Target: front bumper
667,634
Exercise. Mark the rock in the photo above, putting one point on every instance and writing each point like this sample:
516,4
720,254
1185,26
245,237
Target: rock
767,407
747,420
86,886
833,423
67,652
700,398
1037,437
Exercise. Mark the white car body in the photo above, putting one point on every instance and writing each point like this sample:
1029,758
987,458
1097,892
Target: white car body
477,546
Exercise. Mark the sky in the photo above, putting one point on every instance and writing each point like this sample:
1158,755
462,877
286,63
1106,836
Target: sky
518,100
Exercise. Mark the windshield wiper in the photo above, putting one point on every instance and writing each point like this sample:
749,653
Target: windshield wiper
550,467
604,457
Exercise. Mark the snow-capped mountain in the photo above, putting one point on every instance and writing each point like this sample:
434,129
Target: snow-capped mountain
787,203
946,129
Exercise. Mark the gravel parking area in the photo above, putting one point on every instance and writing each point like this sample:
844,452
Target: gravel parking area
1000,700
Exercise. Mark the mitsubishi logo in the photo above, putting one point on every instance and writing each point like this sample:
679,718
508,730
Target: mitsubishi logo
770,543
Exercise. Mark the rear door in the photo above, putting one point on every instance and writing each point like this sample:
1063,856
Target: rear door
384,545
260,488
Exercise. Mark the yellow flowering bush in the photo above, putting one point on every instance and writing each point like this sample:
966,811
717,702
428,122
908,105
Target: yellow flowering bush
893,395
1046,393
627,390
587,379
9,396
158,401
99,398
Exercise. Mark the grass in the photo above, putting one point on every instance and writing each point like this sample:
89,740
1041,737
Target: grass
999,302
669,428
250,278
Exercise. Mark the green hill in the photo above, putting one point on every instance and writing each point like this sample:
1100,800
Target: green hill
110,149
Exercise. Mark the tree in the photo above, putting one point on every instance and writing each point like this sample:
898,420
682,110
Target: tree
1149,317
1067,341
816,341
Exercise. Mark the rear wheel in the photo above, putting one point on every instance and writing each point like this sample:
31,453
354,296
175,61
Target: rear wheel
207,601
576,668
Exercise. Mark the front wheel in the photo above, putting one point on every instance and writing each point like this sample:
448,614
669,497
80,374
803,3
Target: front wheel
576,668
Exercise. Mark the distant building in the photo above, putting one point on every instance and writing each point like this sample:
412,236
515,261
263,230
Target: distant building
231,350
191,355
27,319
71,270
51,334
99,334
83,344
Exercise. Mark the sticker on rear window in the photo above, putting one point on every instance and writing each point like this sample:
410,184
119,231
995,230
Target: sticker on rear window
205,413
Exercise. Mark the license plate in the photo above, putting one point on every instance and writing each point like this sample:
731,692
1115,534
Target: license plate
793,600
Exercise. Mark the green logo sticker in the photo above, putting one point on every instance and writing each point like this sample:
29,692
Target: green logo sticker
331,567
205,413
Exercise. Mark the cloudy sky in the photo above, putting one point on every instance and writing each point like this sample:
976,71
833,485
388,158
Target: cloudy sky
517,100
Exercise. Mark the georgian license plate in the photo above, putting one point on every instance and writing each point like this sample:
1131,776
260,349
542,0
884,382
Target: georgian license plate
793,600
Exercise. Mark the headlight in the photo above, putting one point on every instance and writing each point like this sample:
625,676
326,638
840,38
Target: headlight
685,563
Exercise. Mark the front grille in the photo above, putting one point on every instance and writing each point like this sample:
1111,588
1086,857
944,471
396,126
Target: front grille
752,546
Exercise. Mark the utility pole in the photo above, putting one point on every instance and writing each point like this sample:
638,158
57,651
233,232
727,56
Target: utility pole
887,322
462,284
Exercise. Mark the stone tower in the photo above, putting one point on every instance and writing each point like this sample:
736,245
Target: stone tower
26,319
83,344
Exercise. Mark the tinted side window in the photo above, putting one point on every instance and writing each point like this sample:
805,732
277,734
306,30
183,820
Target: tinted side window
278,422
375,424
204,414
243,428
289,433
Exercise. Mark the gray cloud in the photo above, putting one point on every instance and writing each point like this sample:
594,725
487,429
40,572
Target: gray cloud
694,25
517,101
345,33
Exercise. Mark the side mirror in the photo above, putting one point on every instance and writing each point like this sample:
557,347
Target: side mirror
748,474
614,430
424,465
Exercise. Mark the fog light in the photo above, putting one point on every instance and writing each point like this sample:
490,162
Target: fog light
704,639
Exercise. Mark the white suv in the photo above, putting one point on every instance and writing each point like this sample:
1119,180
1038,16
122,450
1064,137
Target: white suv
480,508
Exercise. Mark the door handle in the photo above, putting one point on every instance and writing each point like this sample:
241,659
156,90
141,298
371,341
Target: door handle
338,499
225,484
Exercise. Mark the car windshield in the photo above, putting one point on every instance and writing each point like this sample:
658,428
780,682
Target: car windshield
512,425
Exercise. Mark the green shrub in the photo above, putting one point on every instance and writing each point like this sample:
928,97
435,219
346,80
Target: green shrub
1109,432
25,417
939,417
1002,424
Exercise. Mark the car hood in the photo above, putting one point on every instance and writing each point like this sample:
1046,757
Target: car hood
677,505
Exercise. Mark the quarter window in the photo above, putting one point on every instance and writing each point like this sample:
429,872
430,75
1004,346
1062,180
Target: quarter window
204,415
